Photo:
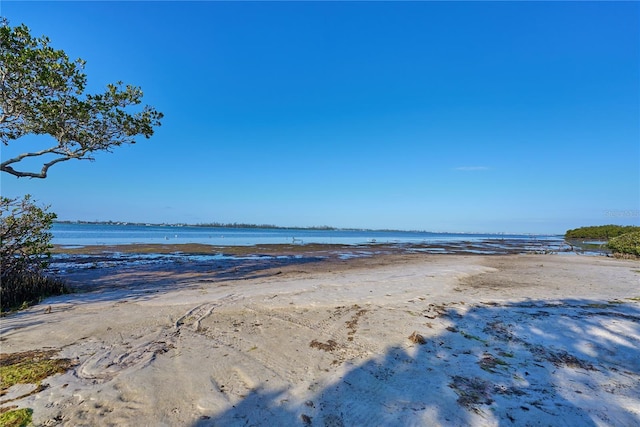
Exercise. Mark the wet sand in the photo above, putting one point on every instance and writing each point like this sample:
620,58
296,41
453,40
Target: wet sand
311,339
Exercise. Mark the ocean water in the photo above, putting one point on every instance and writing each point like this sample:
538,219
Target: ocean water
102,234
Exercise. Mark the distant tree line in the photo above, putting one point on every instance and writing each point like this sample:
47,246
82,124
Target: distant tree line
267,226
203,225
603,232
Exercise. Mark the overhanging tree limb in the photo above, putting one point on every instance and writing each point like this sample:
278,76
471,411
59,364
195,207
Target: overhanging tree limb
41,174
42,93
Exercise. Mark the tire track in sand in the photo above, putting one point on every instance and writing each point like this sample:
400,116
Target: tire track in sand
109,361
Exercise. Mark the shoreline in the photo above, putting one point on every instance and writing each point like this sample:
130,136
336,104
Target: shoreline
140,264
487,246
391,339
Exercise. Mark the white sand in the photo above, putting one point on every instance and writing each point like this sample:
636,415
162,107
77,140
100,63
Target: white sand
509,340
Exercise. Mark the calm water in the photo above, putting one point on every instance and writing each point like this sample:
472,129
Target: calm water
90,234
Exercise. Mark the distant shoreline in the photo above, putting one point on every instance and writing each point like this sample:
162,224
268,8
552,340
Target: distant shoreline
278,227
210,225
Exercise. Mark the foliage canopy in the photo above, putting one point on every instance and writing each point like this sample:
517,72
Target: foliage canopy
42,93
24,239
604,232
24,253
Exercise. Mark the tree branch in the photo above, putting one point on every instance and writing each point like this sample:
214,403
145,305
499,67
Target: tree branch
43,171
52,150
42,93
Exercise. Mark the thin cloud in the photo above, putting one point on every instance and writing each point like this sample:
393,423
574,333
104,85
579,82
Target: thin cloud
471,168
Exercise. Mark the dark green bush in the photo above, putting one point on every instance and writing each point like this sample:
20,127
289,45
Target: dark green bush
626,244
604,232
24,253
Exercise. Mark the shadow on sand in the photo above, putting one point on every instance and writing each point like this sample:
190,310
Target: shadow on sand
571,362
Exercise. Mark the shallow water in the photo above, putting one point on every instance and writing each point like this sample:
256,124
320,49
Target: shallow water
100,234
341,244
112,258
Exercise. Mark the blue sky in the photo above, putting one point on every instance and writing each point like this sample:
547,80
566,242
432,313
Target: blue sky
481,116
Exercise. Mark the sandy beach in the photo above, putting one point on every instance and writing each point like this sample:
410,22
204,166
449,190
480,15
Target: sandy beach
388,340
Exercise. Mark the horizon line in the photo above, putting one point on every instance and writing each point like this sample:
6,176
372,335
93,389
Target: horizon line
279,227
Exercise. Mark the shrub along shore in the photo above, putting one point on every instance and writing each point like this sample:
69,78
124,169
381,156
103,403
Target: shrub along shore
622,240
